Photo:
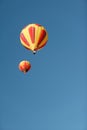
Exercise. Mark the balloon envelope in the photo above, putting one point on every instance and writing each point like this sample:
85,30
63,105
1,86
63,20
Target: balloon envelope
24,66
34,37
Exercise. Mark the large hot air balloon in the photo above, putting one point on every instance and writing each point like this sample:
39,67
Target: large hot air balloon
34,37
24,66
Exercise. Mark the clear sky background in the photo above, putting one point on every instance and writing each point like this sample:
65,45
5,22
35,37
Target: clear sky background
53,94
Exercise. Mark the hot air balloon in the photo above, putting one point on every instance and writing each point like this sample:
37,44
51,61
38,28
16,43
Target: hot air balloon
24,66
34,37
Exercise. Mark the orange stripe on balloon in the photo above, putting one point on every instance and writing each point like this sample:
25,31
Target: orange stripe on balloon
42,36
21,68
32,34
24,39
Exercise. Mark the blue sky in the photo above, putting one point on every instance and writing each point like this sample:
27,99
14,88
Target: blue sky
52,95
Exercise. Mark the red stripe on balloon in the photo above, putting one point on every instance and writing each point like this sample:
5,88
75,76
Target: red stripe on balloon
27,66
41,46
32,34
42,36
24,39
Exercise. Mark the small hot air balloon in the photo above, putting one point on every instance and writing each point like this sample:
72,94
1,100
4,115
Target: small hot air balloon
34,37
24,66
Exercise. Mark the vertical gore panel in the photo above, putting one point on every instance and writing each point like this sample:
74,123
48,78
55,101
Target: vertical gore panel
42,36
32,34
22,37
